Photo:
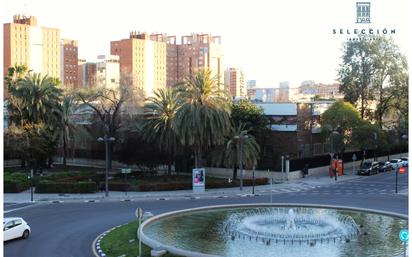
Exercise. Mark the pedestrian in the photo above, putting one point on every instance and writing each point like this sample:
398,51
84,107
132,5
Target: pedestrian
335,169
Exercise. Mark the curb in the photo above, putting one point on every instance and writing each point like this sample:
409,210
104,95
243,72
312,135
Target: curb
97,251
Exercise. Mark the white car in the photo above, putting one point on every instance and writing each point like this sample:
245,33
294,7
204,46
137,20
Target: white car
15,227
396,163
405,161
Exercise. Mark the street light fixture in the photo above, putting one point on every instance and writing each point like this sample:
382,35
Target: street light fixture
106,141
240,139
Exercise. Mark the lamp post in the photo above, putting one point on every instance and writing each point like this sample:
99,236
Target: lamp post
243,135
375,137
106,141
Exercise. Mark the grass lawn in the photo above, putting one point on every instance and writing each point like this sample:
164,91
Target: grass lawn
119,242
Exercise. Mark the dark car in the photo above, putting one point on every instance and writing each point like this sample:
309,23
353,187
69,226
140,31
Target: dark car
368,168
385,166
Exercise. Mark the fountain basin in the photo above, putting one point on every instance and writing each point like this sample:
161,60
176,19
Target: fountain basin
285,230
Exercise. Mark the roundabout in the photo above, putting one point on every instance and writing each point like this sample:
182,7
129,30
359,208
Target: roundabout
275,230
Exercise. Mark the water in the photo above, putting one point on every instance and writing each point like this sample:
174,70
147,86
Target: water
277,231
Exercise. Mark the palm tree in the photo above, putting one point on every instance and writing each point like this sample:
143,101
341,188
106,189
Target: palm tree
69,129
15,74
229,153
204,118
160,124
42,98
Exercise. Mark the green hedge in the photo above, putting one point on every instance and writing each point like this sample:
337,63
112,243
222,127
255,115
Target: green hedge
164,186
64,187
15,182
118,186
209,184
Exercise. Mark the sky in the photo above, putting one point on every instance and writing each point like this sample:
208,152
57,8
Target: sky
272,41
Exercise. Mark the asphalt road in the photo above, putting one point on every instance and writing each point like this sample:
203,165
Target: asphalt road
68,229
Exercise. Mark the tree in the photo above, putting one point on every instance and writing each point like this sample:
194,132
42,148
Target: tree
15,74
365,136
70,131
252,117
31,142
390,71
160,125
228,153
107,105
204,118
41,98
356,72
338,122
34,105
370,69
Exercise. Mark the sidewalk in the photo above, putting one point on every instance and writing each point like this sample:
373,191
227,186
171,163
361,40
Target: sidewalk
287,186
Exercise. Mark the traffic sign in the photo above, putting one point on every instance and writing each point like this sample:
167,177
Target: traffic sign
139,213
404,235
402,170
354,157
126,171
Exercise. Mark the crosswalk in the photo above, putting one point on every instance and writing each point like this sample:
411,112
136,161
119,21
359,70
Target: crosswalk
344,188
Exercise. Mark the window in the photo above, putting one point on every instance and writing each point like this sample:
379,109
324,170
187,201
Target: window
8,225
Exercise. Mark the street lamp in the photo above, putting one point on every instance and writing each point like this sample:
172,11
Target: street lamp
375,137
240,139
106,141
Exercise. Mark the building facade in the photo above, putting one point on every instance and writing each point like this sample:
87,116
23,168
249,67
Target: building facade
235,82
86,73
264,95
143,58
283,96
108,71
27,44
197,51
69,62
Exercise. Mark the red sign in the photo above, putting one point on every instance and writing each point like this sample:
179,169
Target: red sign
402,170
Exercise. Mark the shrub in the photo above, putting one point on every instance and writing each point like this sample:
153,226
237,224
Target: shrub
15,182
117,186
164,186
47,186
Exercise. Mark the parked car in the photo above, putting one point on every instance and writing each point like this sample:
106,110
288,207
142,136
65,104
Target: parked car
15,227
405,161
368,168
396,163
385,166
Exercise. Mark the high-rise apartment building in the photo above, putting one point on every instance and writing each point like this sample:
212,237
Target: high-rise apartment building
283,95
251,88
143,57
27,44
69,62
235,81
264,95
197,51
108,71
86,73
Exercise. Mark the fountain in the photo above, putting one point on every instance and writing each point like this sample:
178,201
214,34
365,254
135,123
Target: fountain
280,225
274,231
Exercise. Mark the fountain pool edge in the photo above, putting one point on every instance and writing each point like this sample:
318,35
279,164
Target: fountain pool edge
178,251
